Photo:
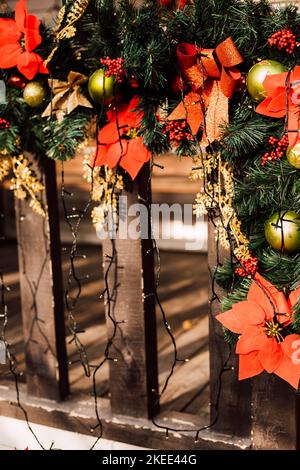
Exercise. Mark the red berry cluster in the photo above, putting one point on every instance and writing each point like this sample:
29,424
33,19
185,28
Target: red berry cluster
279,148
284,40
179,4
4,124
178,131
249,267
114,67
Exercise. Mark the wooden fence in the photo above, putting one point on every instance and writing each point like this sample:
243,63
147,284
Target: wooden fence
260,414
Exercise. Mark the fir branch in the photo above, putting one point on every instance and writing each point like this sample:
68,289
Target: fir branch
246,137
64,137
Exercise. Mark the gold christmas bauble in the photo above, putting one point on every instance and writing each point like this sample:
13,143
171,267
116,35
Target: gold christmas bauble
282,231
258,73
34,94
293,156
101,88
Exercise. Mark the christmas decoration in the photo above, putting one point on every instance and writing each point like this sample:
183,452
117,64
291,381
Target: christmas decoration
261,322
4,124
279,148
218,194
34,94
65,26
25,184
181,3
178,4
130,153
67,96
216,73
5,167
284,40
177,131
293,156
178,85
18,40
198,92
255,79
165,3
107,185
249,266
282,99
114,67
282,231
15,81
102,88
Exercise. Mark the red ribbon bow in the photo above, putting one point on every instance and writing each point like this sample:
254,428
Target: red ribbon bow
213,80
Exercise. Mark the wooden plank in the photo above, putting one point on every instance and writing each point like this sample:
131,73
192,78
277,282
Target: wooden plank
41,290
230,399
275,414
188,340
77,414
131,277
2,221
188,378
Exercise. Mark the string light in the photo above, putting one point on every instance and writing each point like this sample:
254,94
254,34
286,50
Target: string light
109,293
10,356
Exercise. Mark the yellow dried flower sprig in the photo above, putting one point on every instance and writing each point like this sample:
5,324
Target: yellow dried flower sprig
5,167
25,184
69,30
217,194
106,188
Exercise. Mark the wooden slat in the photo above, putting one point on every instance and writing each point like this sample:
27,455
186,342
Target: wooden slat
41,291
234,403
78,415
2,221
188,378
134,377
275,414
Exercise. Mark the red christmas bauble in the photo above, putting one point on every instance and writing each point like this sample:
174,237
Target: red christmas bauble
15,81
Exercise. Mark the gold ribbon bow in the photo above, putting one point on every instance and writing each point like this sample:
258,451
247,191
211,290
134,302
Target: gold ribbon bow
213,80
67,96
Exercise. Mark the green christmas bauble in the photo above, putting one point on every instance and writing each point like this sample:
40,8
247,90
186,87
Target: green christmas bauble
282,231
293,156
258,73
34,94
101,88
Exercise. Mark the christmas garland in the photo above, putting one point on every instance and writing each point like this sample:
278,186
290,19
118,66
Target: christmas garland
182,76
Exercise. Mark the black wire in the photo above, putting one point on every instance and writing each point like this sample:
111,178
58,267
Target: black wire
12,361
109,294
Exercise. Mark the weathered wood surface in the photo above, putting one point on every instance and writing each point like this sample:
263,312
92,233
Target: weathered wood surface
77,415
275,412
183,275
133,379
41,291
233,398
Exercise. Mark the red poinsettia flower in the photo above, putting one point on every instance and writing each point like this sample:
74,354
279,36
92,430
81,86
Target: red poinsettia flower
260,321
119,141
18,39
280,101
